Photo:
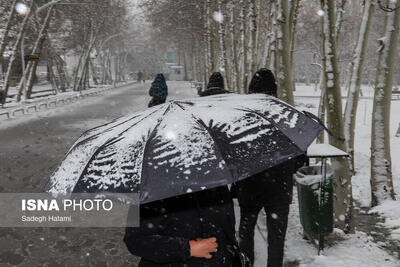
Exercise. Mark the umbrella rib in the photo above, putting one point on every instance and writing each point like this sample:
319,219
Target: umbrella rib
145,150
273,123
93,136
202,124
105,143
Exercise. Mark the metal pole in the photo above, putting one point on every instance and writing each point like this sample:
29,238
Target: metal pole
321,202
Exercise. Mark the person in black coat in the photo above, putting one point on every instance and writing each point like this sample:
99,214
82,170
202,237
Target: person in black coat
158,91
215,85
191,230
263,82
270,190
139,76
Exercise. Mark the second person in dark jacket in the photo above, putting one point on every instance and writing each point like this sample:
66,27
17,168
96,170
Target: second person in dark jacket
270,190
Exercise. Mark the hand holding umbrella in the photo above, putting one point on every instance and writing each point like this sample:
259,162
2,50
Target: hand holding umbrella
201,248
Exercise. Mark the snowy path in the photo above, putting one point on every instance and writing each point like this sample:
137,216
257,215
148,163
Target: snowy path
32,147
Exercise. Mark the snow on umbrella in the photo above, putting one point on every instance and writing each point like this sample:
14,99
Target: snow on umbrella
185,146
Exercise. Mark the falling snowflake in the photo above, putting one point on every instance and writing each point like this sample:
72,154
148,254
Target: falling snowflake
21,8
218,16
320,13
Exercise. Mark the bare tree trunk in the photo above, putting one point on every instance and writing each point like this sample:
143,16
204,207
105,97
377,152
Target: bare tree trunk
51,72
259,39
322,103
322,82
109,68
16,47
294,12
322,113
116,67
356,79
343,203
274,41
32,65
398,131
243,50
61,73
381,163
223,60
82,76
85,60
4,39
94,74
86,82
77,70
234,56
285,90
210,50
253,38
339,18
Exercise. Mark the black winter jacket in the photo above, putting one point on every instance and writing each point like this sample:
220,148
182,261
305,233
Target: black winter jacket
273,187
167,226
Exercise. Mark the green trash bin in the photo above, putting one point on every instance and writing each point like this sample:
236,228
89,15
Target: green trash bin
315,193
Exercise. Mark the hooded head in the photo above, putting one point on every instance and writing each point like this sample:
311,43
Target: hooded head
159,78
216,81
215,85
263,82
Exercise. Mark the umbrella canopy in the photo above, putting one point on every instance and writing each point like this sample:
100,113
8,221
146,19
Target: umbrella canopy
185,146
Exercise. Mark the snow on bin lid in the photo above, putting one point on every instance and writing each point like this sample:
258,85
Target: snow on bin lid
325,151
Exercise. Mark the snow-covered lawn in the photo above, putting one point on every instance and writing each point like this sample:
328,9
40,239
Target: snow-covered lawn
358,249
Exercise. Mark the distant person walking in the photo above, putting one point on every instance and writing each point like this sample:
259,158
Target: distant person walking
139,76
271,190
144,77
215,85
158,91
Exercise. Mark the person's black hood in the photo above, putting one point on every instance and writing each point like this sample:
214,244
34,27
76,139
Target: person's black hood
215,85
216,81
263,82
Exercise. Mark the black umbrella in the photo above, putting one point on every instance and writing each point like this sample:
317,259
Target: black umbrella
185,146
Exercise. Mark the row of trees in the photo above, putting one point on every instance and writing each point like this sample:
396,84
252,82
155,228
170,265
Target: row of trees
53,29
236,37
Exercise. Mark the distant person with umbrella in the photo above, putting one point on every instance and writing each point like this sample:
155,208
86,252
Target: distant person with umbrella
271,189
158,91
215,85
